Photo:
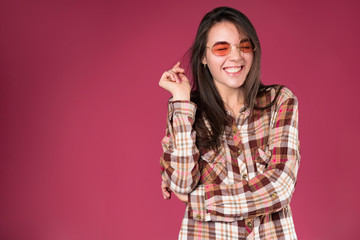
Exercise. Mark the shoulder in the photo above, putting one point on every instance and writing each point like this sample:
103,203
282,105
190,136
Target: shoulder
286,95
269,95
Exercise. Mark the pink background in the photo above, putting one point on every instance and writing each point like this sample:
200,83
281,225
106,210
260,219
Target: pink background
82,115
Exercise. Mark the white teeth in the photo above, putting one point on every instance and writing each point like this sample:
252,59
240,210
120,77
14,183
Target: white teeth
233,69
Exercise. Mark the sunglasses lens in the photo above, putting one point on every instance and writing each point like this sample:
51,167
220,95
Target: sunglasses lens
221,48
246,46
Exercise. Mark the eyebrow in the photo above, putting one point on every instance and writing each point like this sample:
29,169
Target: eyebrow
245,40
241,41
221,42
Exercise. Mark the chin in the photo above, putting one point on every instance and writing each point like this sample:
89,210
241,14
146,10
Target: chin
236,85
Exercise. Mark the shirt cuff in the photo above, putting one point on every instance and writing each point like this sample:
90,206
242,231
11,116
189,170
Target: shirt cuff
182,107
197,210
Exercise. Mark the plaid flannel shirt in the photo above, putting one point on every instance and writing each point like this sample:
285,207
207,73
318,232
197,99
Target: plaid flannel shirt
244,190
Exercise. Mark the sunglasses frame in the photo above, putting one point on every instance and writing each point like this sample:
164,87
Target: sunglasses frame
231,45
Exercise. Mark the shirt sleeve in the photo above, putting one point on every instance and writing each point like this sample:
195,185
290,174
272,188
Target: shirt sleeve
265,193
179,165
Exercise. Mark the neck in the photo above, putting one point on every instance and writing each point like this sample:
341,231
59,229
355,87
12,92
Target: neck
233,99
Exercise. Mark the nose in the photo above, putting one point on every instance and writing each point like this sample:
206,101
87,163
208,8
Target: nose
235,53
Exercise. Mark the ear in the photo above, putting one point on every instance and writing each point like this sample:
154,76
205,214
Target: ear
203,60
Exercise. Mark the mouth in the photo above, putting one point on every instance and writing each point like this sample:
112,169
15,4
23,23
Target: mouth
233,70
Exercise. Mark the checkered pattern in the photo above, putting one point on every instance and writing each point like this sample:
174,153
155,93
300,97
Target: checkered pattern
244,191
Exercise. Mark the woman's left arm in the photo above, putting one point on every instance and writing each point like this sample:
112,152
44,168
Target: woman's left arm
265,193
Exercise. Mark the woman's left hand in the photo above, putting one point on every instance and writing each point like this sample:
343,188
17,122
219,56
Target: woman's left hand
167,193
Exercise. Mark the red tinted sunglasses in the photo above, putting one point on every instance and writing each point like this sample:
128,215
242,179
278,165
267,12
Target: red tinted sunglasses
223,48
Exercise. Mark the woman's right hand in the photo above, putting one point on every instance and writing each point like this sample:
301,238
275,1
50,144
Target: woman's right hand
176,82
166,191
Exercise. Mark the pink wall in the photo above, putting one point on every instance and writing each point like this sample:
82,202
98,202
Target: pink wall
82,115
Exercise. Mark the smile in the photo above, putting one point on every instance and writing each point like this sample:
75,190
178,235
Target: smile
233,69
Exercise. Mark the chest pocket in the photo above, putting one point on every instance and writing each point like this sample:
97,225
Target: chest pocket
213,167
262,159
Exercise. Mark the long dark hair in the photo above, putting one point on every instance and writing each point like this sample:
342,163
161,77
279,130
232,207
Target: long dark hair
204,92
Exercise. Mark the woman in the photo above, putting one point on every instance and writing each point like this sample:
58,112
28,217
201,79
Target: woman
231,150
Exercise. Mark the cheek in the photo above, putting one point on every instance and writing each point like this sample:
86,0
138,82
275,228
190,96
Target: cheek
250,61
215,64
214,69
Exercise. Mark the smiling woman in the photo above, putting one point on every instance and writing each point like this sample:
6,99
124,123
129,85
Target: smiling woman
228,66
231,150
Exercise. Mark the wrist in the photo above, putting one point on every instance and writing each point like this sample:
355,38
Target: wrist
181,97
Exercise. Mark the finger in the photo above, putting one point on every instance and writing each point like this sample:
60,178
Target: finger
177,64
174,76
165,190
167,195
163,185
164,193
177,70
183,77
165,76
170,75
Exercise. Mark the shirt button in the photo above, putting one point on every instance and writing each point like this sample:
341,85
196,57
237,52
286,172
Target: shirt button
274,195
239,151
244,176
249,224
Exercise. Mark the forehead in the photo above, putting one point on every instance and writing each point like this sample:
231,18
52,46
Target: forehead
225,31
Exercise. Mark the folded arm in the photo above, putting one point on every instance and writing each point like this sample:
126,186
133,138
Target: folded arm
179,161
265,193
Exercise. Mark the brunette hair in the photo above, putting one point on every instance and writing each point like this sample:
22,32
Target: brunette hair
204,93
